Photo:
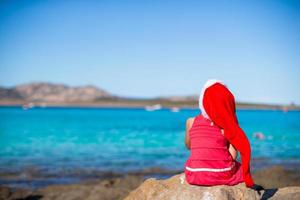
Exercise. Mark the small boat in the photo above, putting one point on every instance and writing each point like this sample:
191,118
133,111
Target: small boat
175,109
153,107
27,106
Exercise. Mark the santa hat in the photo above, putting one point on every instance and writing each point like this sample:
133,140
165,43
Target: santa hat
206,85
217,103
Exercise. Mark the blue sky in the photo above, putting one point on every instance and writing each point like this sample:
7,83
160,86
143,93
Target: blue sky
155,48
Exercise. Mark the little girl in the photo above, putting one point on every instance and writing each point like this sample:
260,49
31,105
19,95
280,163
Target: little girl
213,137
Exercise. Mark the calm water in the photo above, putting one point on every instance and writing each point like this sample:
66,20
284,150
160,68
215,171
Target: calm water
126,139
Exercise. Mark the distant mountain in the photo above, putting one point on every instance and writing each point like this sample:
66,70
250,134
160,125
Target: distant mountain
48,92
9,93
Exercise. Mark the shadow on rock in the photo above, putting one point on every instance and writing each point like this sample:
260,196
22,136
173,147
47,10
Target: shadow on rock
31,197
269,193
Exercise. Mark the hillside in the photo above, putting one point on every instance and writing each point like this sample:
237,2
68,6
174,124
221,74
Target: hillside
48,92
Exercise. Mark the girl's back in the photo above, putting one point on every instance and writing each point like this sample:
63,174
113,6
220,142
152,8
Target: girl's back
210,162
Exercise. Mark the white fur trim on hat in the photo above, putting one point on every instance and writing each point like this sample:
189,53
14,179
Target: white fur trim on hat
206,85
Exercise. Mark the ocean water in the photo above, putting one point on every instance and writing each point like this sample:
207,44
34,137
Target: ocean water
122,140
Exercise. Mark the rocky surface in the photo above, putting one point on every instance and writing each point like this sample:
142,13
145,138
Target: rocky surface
177,188
114,188
106,186
277,177
47,92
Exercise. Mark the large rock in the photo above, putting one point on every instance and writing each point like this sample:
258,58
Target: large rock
176,188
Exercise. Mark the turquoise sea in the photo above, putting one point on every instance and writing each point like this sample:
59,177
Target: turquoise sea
55,140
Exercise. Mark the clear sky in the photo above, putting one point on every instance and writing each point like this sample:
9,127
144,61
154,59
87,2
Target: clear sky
155,48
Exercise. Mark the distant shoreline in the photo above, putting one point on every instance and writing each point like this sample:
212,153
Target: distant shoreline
44,94
137,103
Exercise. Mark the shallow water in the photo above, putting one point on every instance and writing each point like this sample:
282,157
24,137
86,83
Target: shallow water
52,140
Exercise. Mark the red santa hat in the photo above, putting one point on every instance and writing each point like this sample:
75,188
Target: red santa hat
206,85
217,103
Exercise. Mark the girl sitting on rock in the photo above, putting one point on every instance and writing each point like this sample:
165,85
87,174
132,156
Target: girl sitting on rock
213,137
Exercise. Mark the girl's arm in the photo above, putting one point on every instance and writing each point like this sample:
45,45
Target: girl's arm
232,151
189,123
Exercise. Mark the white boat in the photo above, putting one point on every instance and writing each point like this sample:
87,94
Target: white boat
153,107
25,107
28,106
175,109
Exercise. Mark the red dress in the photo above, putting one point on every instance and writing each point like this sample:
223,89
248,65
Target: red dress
210,162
